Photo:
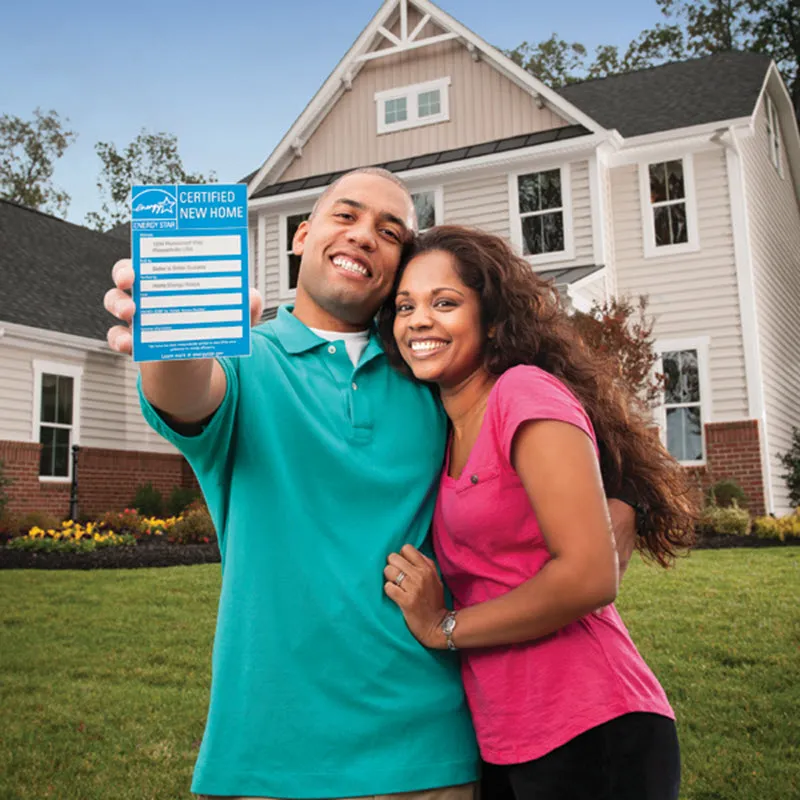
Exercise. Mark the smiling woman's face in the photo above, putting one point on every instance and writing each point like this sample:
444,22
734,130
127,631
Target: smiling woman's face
438,321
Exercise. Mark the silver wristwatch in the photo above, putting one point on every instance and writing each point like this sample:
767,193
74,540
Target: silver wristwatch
448,625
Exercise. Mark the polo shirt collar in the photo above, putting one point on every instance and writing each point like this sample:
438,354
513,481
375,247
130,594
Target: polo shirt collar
296,337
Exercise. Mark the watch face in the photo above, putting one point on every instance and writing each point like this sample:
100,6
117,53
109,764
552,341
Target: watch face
448,625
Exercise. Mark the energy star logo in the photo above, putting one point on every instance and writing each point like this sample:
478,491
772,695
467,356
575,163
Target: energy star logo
154,203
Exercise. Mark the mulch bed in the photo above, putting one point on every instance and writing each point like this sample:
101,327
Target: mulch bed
164,554
150,554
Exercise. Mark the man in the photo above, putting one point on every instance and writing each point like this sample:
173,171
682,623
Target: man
317,460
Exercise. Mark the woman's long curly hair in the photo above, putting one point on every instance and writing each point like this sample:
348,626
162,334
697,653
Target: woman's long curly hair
530,326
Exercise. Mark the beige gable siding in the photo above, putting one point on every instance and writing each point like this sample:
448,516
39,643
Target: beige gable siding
484,105
774,223
109,406
693,294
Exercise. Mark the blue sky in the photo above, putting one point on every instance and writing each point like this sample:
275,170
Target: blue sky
228,78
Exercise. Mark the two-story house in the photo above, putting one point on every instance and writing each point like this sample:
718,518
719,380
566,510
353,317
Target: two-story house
680,182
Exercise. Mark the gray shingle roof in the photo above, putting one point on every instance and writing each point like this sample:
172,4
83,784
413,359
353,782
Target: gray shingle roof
53,274
677,95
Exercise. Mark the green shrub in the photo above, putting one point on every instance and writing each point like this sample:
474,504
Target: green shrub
124,522
196,527
5,482
732,521
791,461
148,501
723,494
36,519
180,499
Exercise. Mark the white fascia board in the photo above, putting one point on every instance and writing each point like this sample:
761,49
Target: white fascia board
748,310
680,140
511,70
325,98
553,153
25,333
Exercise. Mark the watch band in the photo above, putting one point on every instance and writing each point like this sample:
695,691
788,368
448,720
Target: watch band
448,625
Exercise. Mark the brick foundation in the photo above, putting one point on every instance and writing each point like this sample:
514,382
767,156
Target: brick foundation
107,479
734,451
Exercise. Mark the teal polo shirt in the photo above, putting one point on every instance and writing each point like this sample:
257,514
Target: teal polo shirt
314,471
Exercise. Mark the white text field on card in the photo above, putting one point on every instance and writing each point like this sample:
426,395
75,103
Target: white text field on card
192,300
191,317
190,284
177,267
192,334
167,246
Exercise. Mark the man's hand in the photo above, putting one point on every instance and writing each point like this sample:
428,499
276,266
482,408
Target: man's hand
623,522
413,582
120,304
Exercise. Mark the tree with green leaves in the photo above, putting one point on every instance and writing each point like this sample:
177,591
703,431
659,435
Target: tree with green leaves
151,158
691,28
28,152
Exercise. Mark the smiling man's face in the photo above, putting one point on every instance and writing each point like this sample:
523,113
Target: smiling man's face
351,248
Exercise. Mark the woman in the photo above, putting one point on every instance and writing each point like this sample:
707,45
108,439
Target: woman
563,704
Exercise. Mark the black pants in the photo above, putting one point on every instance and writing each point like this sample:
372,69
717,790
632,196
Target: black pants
633,757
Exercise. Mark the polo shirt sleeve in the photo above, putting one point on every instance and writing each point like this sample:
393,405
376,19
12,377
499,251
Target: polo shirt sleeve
208,452
527,393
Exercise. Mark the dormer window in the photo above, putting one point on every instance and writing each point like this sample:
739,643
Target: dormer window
413,106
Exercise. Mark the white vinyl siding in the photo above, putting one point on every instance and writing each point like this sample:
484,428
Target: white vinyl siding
691,294
482,202
110,416
774,226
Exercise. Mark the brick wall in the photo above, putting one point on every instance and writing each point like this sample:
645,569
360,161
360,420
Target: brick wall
734,451
107,479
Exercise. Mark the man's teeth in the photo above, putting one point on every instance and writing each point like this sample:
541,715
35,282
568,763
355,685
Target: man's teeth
350,266
427,346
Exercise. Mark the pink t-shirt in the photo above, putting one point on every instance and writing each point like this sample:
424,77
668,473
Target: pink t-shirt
527,699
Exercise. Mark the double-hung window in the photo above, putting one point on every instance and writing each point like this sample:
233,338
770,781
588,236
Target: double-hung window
428,205
56,419
774,135
289,262
686,399
668,206
542,215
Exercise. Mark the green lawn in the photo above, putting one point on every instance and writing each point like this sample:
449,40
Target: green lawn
104,675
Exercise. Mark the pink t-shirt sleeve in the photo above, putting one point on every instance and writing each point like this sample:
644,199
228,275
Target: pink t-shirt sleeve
526,393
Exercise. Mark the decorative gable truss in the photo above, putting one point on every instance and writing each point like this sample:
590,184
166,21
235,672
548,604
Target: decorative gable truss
398,27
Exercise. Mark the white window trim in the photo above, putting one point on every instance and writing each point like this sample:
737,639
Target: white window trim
75,372
411,93
286,294
701,345
544,260
649,229
774,136
438,199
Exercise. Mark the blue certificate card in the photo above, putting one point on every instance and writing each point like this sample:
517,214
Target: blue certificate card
189,250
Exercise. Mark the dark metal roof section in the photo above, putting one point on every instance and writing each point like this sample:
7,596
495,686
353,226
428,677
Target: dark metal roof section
53,274
677,95
565,276
430,159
